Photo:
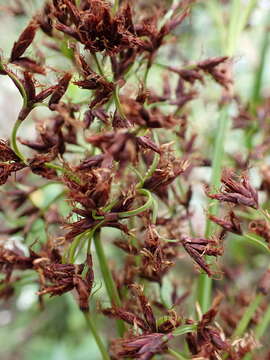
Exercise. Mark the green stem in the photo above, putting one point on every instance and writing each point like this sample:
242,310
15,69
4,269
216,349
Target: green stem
235,11
184,329
140,209
18,84
100,70
116,90
263,324
243,323
205,283
107,277
23,113
92,327
115,6
118,102
74,245
218,18
256,91
146,73
13,141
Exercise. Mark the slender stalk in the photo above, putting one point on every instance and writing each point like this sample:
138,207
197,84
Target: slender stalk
115,6
235,28
73,247
92,328
205,283
107,277
184,329
235,12
151,170
116,90
243,323
263,324
118,102
140,209
100,70
256,91
218,18
13,141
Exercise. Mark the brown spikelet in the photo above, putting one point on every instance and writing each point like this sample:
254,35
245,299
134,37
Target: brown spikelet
59,90
24,41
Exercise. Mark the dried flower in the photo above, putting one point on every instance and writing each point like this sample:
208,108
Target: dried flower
231,223
237,192
198,247
24,41
142,347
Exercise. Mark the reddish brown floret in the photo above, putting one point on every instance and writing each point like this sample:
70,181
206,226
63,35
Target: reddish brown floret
238,192
25,40
231,222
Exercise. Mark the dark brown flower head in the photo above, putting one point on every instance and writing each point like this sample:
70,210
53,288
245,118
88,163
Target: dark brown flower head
211,63
94,189
6,153
157,256
142,347
38,162
188,75
43,94
15,259
50,136
59,90
24,41
96,27
236,191
120,122
57,279
231,222
127,316
125,200
103,88
199,247
45,19
30,65
122,146
167,171
29,86
209,341
219,69
126,246
145,307
91,114
6,169
136,113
